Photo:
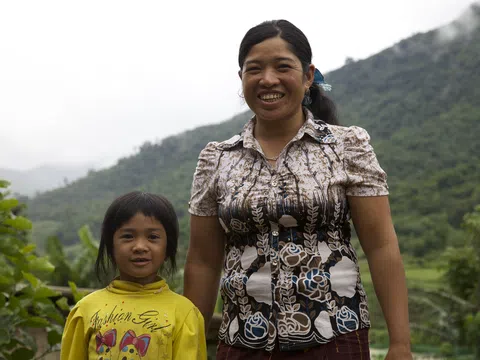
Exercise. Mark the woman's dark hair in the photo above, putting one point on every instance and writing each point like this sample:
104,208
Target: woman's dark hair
121,211
322,107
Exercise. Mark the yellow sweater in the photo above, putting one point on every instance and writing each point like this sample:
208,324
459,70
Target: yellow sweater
130,321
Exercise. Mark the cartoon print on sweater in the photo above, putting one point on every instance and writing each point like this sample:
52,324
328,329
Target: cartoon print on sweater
133,347
105,343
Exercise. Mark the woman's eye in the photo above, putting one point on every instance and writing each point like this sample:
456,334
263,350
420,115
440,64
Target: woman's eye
284,66
252,69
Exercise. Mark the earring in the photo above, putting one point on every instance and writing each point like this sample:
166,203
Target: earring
307,100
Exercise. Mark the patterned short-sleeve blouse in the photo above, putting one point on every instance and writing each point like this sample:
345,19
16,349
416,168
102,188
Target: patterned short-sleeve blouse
291,275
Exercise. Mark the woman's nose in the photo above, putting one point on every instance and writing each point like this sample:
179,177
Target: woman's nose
269,78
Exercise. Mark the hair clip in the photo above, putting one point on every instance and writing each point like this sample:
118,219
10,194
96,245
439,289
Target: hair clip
319,79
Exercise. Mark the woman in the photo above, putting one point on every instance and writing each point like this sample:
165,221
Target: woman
273,206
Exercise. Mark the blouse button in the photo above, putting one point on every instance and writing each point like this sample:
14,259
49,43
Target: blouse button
274,183
275,233
274,262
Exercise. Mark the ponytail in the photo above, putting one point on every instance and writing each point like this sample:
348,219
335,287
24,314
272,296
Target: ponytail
322,107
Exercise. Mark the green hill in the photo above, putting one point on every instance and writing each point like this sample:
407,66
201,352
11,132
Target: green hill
420,101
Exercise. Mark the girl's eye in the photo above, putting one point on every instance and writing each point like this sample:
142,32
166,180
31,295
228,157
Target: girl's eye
126,236
154,237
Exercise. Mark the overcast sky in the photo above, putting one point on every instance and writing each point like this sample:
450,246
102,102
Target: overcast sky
89,81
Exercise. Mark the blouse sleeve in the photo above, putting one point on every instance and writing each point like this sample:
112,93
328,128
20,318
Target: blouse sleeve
365,177
190,342
74,345
203,200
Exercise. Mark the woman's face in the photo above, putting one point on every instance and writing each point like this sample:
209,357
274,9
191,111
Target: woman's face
273,80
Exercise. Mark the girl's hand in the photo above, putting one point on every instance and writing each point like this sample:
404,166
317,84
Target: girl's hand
399,352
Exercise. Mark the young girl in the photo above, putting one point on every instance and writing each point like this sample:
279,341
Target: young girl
136,316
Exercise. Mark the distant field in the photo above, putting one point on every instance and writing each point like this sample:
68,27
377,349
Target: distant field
424,277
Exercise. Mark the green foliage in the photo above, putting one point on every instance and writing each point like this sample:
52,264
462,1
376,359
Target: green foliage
472,327
447,349
78,268
25,300
451,315
463,263
77,295
462,271
472,320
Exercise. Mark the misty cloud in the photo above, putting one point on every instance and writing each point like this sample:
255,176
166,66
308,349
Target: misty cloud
464,25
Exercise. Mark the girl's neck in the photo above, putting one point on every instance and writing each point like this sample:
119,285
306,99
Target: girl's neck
141,281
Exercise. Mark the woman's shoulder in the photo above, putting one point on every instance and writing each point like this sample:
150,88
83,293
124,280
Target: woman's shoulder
349,137
347,133
217,146
211,153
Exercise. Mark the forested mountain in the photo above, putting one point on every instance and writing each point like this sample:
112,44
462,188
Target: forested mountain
419,100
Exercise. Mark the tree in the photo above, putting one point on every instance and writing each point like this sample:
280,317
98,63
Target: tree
463,277
79,269
472,321
25,301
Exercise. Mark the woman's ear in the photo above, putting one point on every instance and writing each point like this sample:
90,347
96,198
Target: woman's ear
310,75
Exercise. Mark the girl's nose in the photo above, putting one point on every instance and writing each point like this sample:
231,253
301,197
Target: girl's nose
140,244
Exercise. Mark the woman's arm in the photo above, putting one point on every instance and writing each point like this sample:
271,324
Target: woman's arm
374,227
204,263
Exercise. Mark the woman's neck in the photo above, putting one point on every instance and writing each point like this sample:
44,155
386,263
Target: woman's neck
279,130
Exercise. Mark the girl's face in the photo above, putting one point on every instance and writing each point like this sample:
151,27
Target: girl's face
139,249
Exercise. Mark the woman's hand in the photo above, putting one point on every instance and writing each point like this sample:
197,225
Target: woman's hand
399,352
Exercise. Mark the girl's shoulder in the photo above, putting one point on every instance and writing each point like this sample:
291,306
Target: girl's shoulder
182,303
91,297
